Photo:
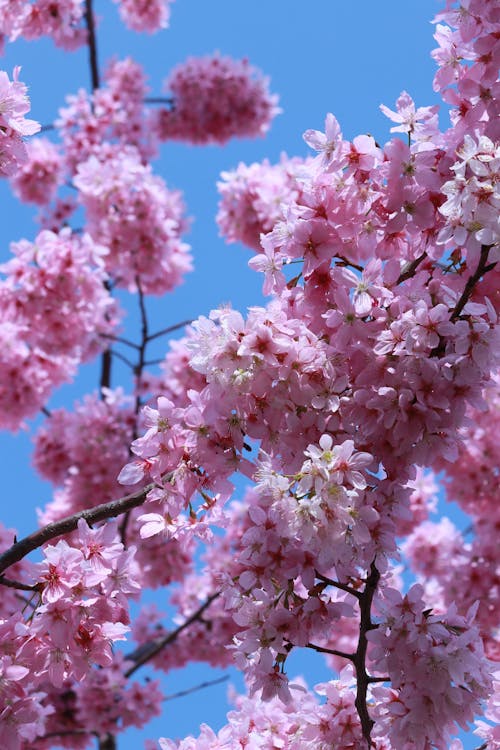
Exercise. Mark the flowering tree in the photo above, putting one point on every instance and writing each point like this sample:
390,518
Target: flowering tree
372,369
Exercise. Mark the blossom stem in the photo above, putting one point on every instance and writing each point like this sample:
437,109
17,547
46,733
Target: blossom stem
16,584
333,651
169,329
195,688
114,508
121,357
338,585
482,268
151,649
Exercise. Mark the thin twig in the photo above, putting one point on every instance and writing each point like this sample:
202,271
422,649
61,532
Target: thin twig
333,651
65,525
410,268
159,100
120,340
16,584
482,267
160,643
122,357
201,686
338,585
170,329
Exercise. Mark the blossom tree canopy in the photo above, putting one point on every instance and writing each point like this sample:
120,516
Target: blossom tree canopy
369,377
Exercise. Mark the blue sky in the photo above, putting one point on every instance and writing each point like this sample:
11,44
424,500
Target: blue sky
346,58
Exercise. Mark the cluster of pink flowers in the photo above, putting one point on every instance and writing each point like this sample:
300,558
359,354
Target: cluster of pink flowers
145,15
60,19
115,112
38,178
54,315
214,99
324,719
436,668
81,452
132,213
80,610
14,104
374,364
383,278
252,198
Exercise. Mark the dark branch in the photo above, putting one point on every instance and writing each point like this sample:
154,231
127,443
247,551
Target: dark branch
159,100
482,267
338,585
150,650
16,584
120,356
170,329
65,525
359,660
92,44
201,686
334,652
107,742
410,268
119,339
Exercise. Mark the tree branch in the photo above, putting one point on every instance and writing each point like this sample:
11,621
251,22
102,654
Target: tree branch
92,44
16,584
410,268
482,267
201,686
149,650
170,329
65,525
334,652
359,660
338,585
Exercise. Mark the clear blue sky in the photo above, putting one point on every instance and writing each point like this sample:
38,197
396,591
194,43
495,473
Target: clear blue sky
343,57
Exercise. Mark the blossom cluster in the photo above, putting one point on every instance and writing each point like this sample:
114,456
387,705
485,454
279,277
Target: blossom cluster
81,609
132,213
14,104
436,668
62,20
214,99
252,197
55,314
145,15
373,367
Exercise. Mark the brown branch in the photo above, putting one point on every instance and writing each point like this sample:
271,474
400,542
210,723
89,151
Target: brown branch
482,267
410,268
107,742
65,525
92,44
334,652
122,358
119,339
359,660
159,100
16,584
148,651
338,585
65,733
169,329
